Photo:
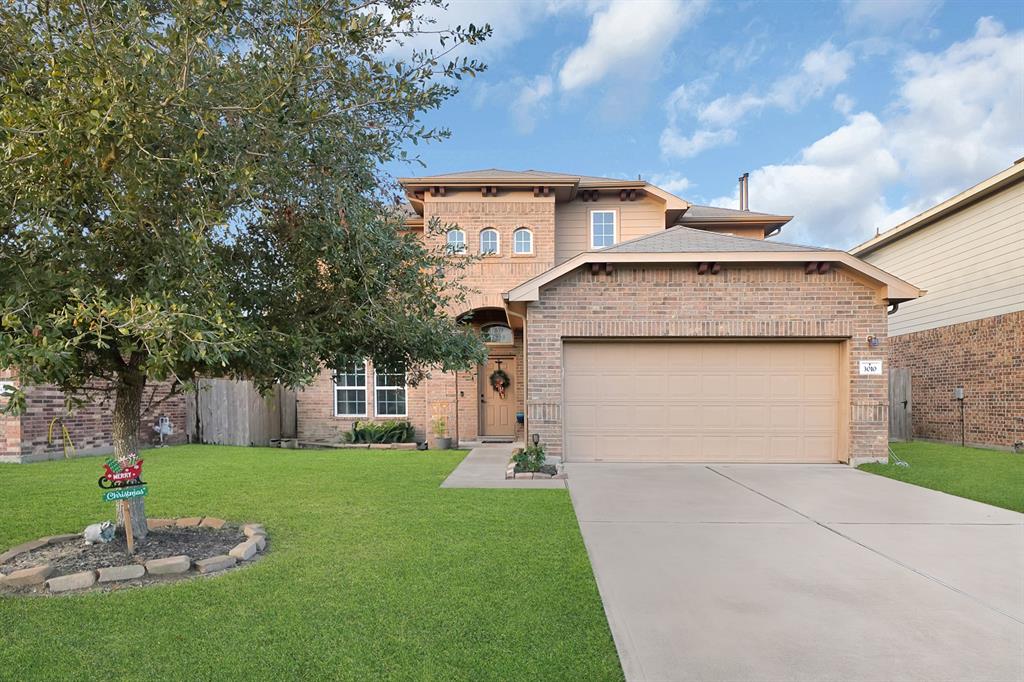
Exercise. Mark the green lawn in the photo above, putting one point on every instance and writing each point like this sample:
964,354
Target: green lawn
374,573
988,476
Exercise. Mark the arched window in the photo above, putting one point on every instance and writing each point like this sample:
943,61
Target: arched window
522,241
456,241
496,333
489,242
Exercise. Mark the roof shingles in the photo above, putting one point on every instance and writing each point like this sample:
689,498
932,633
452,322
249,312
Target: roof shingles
681,239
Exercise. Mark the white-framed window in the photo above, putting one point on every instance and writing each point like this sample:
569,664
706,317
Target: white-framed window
490,242
497,333
389,388
456,241
350,391
522,241
602,229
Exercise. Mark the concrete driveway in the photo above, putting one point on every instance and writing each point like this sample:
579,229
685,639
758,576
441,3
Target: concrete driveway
794,572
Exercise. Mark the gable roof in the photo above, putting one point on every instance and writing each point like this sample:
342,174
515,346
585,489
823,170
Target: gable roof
686,239
686,245
1010,176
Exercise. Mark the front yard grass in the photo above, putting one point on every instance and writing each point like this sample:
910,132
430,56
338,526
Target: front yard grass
373,573
988,476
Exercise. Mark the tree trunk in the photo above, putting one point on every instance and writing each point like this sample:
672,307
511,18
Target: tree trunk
125,432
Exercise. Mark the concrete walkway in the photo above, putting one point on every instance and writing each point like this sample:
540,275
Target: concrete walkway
484,467
792,572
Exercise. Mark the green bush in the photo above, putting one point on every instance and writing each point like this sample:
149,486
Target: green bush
530,458
391,431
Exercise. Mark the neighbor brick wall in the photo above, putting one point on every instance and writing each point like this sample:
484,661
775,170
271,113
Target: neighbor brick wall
26,437
986,358
742,301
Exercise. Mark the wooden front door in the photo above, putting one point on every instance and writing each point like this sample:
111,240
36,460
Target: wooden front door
497,412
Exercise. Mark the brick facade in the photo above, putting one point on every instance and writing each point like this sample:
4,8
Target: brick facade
28,437
742,301
986,358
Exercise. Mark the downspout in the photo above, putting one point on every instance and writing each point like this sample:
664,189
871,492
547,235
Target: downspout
893,307
526,382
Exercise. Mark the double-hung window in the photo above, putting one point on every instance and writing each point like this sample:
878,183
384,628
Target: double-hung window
389,383
522,241
490,243
350,391
602,229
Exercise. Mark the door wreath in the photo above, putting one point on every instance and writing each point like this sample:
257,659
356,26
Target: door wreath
500,381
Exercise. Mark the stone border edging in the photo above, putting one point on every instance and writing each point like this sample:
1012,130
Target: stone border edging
39,577
510,473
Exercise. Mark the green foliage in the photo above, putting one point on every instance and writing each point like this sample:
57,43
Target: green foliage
373,573
987,476
391,431
530,458
194,186
439,426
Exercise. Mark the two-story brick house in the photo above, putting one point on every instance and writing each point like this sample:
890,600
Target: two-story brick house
633,325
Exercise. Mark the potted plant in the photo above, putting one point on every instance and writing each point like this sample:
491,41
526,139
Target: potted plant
440,428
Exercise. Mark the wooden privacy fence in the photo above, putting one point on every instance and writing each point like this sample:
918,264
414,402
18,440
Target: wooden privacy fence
232,412
900,405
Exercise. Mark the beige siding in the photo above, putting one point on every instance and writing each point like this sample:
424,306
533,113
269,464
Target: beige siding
971,263
635,219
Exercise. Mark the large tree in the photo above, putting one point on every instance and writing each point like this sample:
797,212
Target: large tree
193,187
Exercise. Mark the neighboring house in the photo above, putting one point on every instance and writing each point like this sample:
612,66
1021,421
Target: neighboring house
968,332
38,433
635,326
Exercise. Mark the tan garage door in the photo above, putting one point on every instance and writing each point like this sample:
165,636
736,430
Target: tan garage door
702,401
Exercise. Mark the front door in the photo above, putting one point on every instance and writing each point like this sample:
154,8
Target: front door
497,411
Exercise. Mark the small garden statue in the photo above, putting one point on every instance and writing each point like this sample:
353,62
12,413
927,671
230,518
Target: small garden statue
99,532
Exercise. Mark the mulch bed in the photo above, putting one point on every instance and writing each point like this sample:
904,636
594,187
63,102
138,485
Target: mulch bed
72,556
549,469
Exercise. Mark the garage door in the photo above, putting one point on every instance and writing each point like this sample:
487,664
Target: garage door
702,401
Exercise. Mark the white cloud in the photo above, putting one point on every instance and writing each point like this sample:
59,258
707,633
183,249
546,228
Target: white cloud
820,70
674,183
529,104
626,37
675,144
843,104
955,121
888,14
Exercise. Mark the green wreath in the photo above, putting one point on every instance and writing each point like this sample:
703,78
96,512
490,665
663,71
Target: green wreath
500,381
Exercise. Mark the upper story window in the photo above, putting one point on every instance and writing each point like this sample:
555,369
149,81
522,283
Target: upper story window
350,391
522,241
497,333
389,385
489,241
602,229
456,241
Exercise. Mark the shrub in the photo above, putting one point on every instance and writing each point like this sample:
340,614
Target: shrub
530,458
391,431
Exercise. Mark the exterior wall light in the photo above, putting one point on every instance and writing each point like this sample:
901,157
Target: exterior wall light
535,438
874,341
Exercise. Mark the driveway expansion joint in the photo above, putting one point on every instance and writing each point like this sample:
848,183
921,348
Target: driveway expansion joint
908,567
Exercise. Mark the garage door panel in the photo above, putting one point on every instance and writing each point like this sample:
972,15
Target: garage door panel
701,401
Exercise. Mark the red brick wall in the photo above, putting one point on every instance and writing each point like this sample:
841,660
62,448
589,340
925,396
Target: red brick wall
27,436
986,358
742,301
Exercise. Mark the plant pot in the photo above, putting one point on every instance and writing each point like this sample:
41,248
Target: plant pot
444,443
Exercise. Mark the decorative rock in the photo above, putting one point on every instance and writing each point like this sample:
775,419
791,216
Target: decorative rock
541,474
260,540
244,551
169,566
210,522
160,523
26,577
115,573
54,539
75,581
526,474
21,549
189,522
251,529
215,563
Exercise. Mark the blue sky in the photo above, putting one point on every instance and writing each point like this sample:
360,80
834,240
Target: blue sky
849,115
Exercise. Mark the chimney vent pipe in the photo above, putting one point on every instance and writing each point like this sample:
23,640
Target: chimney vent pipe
745,192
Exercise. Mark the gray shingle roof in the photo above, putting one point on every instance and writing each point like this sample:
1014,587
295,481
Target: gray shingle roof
697,211
681,239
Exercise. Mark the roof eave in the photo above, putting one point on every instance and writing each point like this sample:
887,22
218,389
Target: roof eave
895,289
